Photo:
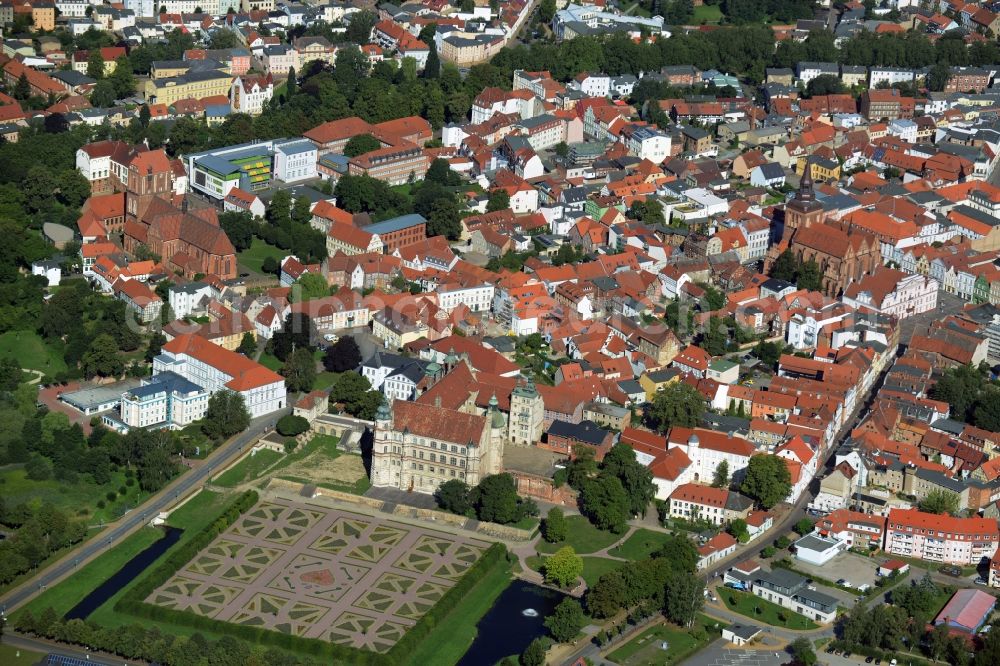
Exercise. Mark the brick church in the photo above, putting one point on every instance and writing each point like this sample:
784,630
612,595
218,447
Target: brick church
183,232
843,254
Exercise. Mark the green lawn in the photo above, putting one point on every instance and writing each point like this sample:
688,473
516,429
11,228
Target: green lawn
79,498
451,638
247,469
12,656
253,257
28,349
584,537
764,611
270,361
645,649
595,567
640,545
706,14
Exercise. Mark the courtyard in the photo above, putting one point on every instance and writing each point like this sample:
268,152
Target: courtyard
322,573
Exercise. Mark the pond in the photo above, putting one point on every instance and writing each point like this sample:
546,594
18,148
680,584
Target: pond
507,628
125,575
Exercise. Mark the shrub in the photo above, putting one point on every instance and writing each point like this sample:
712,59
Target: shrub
111,495
101,504
292,425
130,482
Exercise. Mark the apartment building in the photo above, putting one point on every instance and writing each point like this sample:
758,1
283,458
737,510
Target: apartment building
215,369
251,166
164,401
928,536
399,232
692,501
250,94
395,165
191,85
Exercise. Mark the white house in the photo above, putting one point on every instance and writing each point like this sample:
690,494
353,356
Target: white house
184,299
476,297
649,144
892,292
394,375
164,401
50,269
767,175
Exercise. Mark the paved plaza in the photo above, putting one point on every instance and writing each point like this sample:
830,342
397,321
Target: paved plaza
321,573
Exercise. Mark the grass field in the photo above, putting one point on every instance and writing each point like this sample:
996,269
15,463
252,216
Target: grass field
595,567
11,656
253,257
451,639
706,14
270,361
30,351
584,537
646,648
764,611
247,469
640,545
80,499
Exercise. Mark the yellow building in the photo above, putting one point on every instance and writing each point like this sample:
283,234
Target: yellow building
653,382
823,170
168,69
194,85
43,15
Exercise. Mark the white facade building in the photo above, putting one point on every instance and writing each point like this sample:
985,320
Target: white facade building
199,361
167,400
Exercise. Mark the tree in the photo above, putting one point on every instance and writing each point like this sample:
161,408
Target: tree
443,219
534,654
683,597
359,30
738,528
144,115
38,468
937,77
440,172
554,526
103,95
102,358
227,415
680,552
721,477
499,200
359,144
291,84
432,68
239,227
342,355
495,499
95,64
453,496
635,477
22,89
802,652
564,567
298,332
940,501
604,502
248,345
824,84
270,265
299,370
809,276
291,425
308,287
566,621
546,11
804,526
785,266
767,480
123,78
678,404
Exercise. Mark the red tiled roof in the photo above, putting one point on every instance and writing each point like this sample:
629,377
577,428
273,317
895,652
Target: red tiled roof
246,374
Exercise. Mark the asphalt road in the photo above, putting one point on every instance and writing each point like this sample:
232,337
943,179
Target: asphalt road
140,515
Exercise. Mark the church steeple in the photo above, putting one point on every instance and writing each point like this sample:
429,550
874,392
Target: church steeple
806,192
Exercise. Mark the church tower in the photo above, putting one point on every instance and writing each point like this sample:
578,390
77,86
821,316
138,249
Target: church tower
802,211
386,454
527,412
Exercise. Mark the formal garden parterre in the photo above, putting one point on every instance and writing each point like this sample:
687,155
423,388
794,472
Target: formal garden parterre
320,573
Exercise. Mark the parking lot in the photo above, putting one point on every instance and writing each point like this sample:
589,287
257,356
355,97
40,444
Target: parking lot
855,569
721,653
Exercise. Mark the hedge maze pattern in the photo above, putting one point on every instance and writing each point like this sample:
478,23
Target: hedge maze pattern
321,573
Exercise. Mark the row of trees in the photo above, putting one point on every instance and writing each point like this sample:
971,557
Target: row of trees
494,500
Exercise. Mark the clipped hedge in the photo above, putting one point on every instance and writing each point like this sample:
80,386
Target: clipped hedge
133,602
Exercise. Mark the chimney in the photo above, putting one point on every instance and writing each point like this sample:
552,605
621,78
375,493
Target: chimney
437,401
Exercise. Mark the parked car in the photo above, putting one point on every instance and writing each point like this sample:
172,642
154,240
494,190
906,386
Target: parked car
980,581
951,570
843,582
